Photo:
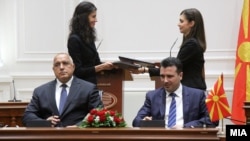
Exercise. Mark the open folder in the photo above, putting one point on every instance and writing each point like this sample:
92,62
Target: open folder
129,63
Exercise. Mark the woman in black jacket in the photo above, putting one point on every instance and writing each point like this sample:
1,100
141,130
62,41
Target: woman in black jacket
191,51
81,43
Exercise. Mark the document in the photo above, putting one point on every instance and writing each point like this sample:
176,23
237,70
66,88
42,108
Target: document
129,63
125,65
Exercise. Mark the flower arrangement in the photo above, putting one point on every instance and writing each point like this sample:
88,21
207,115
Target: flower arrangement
101,117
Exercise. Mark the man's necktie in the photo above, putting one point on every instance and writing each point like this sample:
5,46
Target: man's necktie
63,98
172,112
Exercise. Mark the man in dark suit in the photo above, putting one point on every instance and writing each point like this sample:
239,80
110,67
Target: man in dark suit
81,97
190,104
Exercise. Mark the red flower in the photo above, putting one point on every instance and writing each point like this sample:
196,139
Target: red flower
117,119
102,118
101,113
90,118
112,113
93,111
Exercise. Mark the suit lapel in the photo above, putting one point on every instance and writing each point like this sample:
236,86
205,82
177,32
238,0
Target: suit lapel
186,103
90,46
93,48
51,92
163,102
72,93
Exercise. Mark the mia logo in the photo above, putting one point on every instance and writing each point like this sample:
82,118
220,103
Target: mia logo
238,132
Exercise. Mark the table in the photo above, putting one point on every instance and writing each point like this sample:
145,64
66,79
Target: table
110,134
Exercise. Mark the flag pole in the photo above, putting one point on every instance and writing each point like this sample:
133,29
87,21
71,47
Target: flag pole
222,127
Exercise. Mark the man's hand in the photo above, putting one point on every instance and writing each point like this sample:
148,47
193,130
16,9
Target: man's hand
54,120
147,118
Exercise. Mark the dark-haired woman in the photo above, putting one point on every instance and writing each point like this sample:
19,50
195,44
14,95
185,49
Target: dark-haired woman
191,51
81,43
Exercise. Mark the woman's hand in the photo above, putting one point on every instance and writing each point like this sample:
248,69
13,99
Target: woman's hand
139,70
104,66
108,66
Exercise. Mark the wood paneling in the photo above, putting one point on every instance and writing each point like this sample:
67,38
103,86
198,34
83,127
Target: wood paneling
11,113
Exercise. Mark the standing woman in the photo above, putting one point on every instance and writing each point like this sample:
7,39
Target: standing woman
81,43
191,51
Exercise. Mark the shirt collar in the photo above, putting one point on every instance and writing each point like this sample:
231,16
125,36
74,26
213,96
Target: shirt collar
68,83
178,91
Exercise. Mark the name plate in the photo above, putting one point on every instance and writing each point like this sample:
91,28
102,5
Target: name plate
237,132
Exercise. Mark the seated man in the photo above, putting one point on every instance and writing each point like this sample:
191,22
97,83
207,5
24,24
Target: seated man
180,106
64,101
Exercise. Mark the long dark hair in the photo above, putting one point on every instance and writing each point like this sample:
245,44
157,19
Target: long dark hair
79,23
198,30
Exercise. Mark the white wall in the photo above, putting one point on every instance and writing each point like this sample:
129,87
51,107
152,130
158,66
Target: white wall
33,31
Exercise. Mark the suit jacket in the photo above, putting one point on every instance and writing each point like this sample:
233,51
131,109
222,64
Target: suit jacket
85,58
192,59
194,107
82,97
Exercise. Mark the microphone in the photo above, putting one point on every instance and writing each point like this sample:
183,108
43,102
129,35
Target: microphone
14,91
99,44
172,46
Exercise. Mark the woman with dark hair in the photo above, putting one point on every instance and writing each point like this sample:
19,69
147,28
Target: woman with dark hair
191,51
81,43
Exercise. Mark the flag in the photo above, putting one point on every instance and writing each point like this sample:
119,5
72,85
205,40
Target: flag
216,101
242,67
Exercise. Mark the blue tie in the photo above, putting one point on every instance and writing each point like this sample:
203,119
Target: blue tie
63,98
172,111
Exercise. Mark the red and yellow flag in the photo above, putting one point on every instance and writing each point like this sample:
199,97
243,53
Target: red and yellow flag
242,67
216,101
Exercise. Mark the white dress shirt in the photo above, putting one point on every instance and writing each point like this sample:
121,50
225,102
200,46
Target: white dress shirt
59,89
179,107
